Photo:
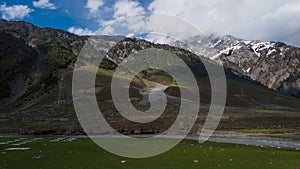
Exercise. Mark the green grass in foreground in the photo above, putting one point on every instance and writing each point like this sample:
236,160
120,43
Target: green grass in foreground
84,154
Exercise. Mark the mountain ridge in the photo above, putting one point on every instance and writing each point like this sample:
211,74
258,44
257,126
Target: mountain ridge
237,55
273,64
43,88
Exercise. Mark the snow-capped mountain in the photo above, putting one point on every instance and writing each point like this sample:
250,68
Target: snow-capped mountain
273,64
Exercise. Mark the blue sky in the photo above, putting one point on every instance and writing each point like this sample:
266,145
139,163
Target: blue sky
67,13
269,20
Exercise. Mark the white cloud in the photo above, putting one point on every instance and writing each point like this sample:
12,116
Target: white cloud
93,6
125,20
44,4
14,11
249,19
274,20
80,31
108,30
126,8
130,18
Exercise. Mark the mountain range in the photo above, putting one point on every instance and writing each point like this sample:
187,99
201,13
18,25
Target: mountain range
273,64
37,65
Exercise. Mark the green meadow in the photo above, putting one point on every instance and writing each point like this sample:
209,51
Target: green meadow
48,153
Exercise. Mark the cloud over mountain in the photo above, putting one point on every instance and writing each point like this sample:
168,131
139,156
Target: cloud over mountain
14,11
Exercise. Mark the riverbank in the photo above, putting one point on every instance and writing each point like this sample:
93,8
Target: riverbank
221,137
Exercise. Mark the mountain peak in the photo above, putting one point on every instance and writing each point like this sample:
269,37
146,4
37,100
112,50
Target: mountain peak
273,64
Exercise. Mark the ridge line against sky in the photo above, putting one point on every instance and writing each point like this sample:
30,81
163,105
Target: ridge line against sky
268,20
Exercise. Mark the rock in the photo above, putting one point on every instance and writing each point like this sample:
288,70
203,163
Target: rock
272,64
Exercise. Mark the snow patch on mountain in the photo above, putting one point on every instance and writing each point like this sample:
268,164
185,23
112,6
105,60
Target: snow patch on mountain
270,63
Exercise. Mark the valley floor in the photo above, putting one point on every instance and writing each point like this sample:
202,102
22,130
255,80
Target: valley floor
83,153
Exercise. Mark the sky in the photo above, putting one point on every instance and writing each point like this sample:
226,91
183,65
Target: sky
267,20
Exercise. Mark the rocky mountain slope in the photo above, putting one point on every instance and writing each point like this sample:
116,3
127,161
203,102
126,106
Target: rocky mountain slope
31,56
36,82
273,64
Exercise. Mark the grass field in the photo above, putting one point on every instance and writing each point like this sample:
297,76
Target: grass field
84,154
